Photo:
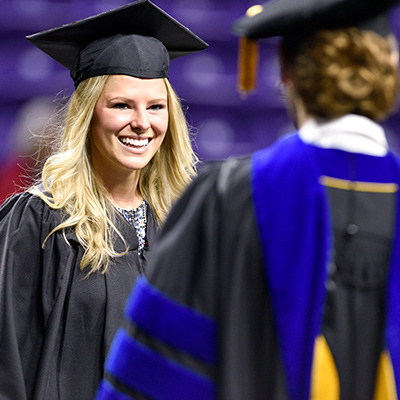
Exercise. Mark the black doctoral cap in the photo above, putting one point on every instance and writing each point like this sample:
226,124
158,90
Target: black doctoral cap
137,39
301,17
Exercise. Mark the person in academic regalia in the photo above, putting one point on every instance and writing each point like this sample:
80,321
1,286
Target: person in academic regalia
72,246
277,276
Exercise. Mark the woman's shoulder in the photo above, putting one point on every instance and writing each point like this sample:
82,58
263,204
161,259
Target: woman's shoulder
29,206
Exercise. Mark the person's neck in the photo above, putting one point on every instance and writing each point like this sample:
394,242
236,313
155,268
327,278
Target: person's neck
123,193
301,114
295,106
126,203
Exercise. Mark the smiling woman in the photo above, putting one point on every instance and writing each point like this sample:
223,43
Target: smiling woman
129,125
72,246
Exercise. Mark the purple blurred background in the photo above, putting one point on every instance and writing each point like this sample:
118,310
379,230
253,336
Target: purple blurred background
224,123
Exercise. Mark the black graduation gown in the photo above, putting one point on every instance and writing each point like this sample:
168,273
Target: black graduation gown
218,271
56,324
209,259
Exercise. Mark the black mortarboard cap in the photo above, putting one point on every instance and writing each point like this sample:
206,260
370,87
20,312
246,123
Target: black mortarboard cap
299,18
296,17
137,39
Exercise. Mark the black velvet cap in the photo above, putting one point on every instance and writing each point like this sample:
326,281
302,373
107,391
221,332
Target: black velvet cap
137,39
299,17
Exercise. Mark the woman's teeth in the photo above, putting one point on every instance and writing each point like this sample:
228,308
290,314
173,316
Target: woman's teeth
135,142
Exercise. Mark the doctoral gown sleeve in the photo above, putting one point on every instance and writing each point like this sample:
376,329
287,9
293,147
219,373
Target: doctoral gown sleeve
31,279
201,315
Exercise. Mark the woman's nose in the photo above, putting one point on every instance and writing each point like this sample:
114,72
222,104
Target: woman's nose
140,121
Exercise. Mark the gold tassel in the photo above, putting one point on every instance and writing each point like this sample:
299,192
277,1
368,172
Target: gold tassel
248,65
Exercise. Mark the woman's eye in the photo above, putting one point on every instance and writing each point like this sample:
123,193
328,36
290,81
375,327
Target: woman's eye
156,107
121,106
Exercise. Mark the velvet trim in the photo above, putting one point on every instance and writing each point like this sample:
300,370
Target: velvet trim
296,239
154,375
171,322
393,298
107,392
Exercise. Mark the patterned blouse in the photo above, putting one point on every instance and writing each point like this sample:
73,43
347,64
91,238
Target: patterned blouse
137,217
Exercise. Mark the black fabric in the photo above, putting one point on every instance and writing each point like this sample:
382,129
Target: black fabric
137,39
56,324
209,258
354,313
288,17
220,274
134,55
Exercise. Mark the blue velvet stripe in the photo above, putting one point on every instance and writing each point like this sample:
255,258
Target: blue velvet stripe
108,392
295,237
393,299
154,375
171,322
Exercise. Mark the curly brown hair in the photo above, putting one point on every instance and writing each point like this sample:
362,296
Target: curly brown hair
343,71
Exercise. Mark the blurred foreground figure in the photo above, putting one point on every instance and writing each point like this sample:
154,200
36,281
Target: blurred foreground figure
277,276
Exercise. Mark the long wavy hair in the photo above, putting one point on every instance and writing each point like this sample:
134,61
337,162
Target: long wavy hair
71,185
343,71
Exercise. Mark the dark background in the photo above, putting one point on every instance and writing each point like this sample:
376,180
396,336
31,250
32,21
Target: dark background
224,123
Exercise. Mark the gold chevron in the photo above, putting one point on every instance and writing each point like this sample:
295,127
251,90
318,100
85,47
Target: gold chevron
385,383
324,378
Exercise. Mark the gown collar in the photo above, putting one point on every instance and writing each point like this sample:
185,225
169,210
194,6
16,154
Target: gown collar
352,133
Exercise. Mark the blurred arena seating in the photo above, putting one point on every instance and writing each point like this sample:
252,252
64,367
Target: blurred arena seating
223,123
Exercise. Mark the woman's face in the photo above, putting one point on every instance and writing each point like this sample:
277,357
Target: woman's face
129,124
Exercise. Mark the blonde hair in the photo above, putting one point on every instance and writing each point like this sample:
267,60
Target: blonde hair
70,183
343,71
175,160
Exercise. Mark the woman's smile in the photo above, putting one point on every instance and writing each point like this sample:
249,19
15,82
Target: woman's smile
135,143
